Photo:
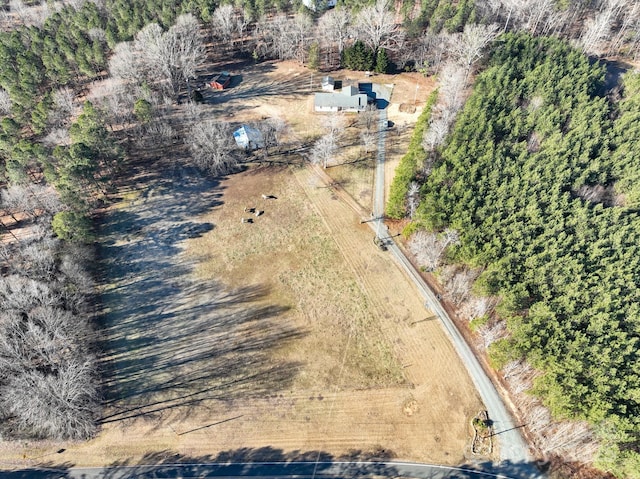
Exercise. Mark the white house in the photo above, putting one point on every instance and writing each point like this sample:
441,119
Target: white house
348,99
248,138
316,5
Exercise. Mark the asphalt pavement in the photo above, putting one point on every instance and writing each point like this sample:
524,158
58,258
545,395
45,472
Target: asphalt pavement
273,470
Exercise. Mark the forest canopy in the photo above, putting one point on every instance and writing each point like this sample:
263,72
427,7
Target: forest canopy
538,176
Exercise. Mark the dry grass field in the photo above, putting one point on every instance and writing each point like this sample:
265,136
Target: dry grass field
291,333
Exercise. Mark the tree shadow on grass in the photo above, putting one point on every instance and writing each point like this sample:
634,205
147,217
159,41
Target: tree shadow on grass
170,341
267,87
252,462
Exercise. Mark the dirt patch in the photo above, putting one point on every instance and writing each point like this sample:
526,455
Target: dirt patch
410,407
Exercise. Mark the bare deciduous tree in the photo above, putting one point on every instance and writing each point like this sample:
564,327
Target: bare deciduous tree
59,406
76,4
519,374
571,439
453,81
478,307
183,49
19,9
430,52
5,102
368,141
368,118
284,37
116,100
21,294
47,377
273,131
429,247
435,134
97,34
39,259
47,198
63,105
335,27
628,30
223,22
158,132
334,123
413,198
376,26
124,62
75,273
212,146
166,58
33,200
489,333
324,150
458,286
469,46
597,30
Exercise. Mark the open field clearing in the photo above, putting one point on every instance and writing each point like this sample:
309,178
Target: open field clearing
292,332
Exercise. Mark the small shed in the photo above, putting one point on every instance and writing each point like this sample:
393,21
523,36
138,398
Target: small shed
220,81
328,83
248,138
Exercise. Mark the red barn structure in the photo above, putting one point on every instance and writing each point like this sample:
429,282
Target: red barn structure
221,81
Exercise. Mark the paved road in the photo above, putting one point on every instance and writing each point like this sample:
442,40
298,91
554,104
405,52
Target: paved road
512,445
273,470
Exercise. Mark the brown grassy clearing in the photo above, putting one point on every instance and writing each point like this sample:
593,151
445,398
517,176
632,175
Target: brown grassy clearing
294,332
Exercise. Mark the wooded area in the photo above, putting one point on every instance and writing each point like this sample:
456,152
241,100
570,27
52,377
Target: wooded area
537,177
48,376
535,190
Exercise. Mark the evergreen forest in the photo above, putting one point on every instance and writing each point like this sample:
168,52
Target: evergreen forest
539,177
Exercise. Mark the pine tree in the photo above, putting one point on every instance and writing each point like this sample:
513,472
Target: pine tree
382,61
313,61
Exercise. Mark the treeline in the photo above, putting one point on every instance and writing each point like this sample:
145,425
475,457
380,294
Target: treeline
71,42
408,169
71,45
538,179
48,374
